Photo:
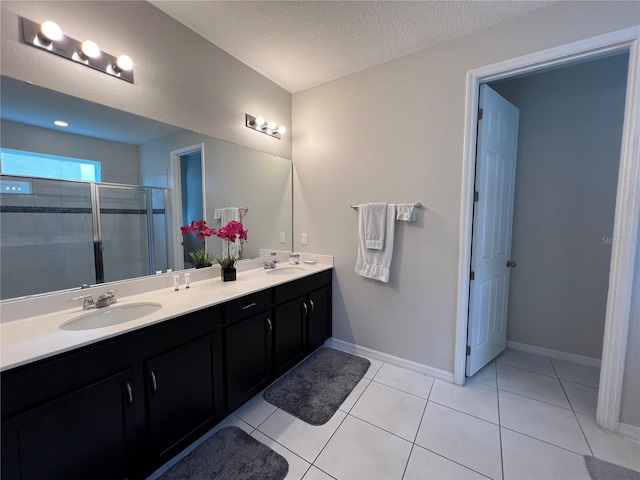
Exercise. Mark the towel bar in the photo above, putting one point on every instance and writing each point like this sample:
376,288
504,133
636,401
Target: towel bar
418,205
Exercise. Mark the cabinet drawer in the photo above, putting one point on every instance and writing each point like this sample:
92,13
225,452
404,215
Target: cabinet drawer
246,306
296,288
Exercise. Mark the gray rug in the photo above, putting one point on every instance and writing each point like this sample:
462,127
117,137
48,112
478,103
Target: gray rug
601,470
315,389
230,454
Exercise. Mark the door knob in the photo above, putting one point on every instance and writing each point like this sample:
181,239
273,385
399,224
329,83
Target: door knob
511,264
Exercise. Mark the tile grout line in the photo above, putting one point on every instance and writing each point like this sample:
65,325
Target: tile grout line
499,423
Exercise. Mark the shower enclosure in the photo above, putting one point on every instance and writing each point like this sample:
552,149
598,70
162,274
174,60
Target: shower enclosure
60,234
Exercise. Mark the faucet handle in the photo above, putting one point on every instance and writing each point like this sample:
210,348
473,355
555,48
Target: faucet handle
88,301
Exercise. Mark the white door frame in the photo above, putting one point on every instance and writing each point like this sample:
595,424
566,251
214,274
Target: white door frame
176,199
627,210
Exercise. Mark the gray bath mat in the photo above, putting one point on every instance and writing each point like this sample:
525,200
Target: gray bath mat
601,470
230,454
315,389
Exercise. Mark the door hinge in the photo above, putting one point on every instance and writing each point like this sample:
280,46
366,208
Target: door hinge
476,196
468,349
480,113
472,275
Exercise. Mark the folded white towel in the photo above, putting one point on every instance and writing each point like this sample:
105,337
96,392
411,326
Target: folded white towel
371,263
375,219
406,212
217,214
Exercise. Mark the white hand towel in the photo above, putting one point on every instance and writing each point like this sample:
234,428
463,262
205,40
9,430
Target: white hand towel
217,214
375,219
228,214
406,212
375,264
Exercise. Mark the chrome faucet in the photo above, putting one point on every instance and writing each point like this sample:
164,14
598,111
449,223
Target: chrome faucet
88,303
106,299
269,264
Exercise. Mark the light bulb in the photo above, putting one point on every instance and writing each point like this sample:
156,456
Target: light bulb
282,130
50,32
123,64
61,123
271,126
260,121
89,49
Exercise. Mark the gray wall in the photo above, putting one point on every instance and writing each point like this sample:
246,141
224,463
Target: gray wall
567,173
410,148
119,160
180,78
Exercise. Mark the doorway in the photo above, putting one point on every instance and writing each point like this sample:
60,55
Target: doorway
187,181
626,216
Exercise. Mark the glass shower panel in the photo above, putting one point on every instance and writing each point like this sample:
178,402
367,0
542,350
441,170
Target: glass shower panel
46,236
125,225
159,200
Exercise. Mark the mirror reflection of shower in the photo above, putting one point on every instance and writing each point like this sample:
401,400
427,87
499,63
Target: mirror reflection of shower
191,199
61,234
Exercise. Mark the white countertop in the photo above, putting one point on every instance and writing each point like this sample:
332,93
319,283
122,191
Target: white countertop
33,338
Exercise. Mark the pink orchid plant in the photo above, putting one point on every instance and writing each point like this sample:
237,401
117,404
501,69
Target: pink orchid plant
200,257
232,231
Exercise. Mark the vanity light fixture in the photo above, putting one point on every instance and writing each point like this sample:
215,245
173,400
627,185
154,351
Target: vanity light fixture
261,125
48,36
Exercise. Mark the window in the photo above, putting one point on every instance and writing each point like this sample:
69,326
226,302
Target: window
30,164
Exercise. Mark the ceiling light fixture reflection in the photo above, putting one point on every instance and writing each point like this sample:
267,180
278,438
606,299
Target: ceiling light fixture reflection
61,123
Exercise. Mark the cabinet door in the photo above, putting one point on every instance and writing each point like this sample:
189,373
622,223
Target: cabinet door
288,335
246,354
88,433
319,317
179,393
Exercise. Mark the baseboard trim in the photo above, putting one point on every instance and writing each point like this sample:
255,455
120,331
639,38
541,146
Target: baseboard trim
630,431
547,352
393,360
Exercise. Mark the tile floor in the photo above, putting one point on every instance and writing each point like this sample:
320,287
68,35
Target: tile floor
521,417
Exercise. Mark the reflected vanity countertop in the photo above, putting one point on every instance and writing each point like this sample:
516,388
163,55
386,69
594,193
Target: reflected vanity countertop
34,338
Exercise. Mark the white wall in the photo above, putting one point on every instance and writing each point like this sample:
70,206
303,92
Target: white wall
395,133
567,173
119,161
180,78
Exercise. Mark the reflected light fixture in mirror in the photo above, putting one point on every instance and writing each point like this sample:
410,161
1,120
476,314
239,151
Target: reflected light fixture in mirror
261,125
48,36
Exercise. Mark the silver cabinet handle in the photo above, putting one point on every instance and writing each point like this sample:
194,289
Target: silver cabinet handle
129,393
249,306
313,307
306,309
154,383
270,325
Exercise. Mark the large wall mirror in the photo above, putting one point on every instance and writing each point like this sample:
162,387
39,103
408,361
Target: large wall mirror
61,233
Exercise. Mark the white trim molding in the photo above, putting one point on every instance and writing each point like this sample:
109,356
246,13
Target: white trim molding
391,359
549,353
627,205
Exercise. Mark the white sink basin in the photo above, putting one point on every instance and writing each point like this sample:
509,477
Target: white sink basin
285,270
112,315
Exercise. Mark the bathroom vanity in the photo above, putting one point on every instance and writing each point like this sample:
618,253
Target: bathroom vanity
120,407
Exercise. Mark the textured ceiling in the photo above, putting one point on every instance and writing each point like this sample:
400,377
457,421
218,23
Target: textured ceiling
301,44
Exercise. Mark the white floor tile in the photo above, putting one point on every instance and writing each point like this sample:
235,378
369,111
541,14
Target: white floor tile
533,385
610,446
426,465
390,409
473,398
361,451
461,438
526,361
297,466
576,373
526,458
255,411
353,397
583,399
405,380
315,473
373,369
542,421
486,375
298,436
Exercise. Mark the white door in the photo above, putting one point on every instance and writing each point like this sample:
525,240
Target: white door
492,226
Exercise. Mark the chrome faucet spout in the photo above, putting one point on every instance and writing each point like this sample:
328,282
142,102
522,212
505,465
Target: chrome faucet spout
106,299
269,264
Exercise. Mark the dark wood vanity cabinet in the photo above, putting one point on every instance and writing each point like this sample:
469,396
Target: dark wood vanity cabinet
122,407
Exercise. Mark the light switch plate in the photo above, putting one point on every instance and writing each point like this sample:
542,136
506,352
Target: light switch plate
304,239
283,237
